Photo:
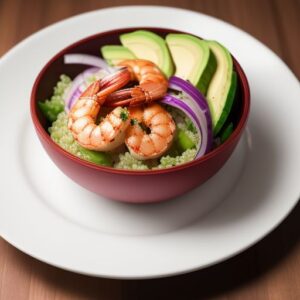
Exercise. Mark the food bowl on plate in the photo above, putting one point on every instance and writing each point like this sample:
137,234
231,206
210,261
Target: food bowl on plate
128,185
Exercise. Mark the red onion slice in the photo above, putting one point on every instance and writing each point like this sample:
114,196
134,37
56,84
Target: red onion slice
79,84
191,93
195,106
87,59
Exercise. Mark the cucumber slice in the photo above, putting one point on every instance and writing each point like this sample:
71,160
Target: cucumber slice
193,59
114,54
150,46
222,88
183,141
100,158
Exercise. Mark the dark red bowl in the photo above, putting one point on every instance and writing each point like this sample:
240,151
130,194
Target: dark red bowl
126,185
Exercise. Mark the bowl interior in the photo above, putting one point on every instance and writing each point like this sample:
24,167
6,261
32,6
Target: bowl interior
51,72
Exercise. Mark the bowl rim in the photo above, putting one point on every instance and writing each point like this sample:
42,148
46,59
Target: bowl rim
75,159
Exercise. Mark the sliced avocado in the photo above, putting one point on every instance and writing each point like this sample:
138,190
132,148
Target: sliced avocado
222,88
193,59
150,46
114,54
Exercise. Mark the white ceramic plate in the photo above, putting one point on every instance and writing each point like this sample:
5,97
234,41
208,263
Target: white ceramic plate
49,217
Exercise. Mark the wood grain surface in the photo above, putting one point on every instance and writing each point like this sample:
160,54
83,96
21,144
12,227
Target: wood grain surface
268,270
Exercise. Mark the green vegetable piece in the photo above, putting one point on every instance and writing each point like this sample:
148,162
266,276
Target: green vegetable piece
183,141
100,158
150,46
114,54
51,108
222,88
133,122
225,134
124,114
193,59
190,126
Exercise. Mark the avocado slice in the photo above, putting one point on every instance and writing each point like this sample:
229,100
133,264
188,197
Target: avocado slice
193,59
150,46
114,54
222,88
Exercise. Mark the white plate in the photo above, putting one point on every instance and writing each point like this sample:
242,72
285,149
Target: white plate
49,217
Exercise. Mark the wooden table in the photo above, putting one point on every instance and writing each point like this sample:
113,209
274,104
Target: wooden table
268,270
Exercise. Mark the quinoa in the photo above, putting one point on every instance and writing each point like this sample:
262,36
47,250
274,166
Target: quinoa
60,134
127,161
169,161
53,106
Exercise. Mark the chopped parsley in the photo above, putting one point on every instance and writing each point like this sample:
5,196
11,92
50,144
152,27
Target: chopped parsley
133,122
124,114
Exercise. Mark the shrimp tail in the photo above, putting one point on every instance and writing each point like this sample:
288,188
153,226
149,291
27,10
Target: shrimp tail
152,86
111,83
131,97
92,89
100,89
141,94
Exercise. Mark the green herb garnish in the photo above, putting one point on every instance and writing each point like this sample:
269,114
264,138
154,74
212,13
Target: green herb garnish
133,122
124,114
190,126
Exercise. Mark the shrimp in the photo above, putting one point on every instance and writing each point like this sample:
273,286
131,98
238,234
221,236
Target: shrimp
152,86
151,132
110,132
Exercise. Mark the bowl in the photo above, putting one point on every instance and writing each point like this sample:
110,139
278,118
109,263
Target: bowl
127,185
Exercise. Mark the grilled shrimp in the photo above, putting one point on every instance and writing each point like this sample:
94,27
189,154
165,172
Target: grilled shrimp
151,132
152,86
110,132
